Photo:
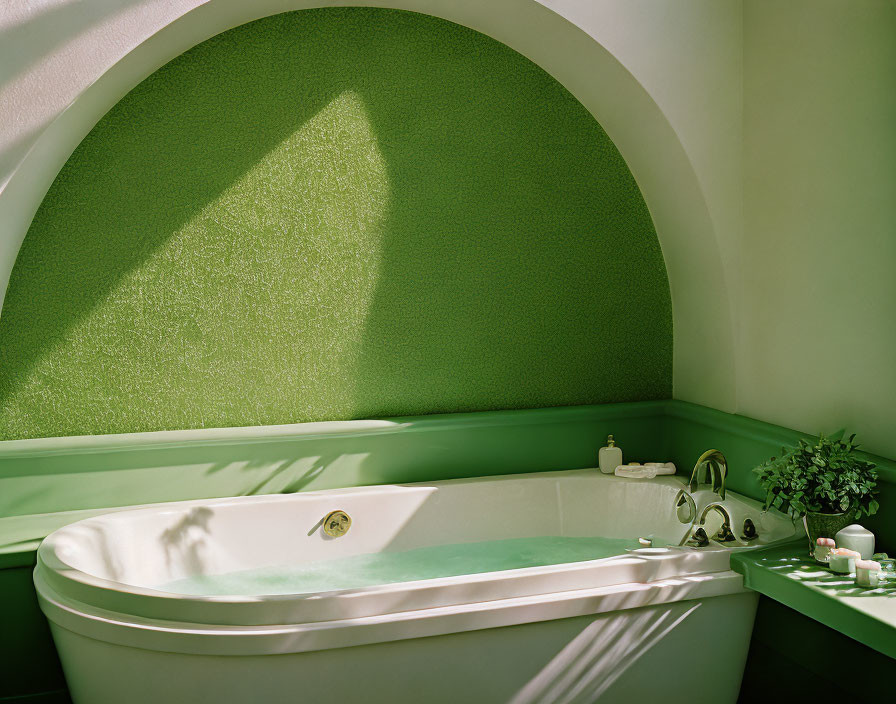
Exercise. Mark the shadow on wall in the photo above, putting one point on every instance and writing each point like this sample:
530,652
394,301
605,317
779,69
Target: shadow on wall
328,214
47,28
40,32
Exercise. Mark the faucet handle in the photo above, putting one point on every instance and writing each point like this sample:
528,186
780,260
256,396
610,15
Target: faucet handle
750,532
685,508
699,539
724,534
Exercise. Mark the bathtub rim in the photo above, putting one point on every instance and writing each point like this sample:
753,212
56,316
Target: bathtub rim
211,639
248,611
62,573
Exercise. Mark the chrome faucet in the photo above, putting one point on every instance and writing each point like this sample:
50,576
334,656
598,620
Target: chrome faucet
724,535
713,465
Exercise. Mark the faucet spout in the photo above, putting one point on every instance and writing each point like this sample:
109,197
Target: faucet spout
710,465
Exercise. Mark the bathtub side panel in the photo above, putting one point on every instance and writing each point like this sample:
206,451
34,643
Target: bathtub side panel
638,654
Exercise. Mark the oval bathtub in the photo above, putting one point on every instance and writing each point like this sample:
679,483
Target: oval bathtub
522,588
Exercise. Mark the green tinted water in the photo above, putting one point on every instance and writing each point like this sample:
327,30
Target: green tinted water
411,565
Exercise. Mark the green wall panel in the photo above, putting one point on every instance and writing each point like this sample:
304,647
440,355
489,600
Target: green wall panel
47,483
332,214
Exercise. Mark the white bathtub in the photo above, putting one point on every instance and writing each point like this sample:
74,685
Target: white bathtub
650,623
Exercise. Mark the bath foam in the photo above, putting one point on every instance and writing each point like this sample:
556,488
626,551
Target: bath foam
332,214
373,569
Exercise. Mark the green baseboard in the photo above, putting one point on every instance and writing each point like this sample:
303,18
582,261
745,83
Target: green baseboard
49,482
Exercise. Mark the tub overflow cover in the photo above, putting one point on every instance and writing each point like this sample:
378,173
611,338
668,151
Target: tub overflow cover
337,523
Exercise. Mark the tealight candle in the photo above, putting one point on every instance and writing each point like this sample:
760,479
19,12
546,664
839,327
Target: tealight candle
867,573
823,547
843,560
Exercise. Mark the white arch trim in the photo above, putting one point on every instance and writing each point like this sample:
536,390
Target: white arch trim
702,313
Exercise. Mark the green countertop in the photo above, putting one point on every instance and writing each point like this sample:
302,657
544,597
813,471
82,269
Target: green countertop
786,574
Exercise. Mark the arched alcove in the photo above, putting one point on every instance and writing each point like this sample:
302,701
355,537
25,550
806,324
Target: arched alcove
564,40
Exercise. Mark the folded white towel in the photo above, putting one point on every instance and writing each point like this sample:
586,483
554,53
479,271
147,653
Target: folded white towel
648,470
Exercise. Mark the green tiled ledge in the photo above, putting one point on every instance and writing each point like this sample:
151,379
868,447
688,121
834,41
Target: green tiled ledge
787,575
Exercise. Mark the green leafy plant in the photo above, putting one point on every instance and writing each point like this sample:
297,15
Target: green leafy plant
825,476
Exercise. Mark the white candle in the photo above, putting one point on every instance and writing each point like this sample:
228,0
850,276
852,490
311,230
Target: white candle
823,547
867,573
843,560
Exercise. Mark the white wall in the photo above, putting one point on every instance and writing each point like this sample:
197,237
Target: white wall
688,55
818,315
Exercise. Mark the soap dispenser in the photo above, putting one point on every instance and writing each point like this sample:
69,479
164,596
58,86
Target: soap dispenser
609,457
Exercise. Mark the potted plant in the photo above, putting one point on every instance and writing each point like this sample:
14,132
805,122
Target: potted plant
824,481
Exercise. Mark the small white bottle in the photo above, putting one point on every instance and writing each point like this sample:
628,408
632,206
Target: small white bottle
609,457
857,538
